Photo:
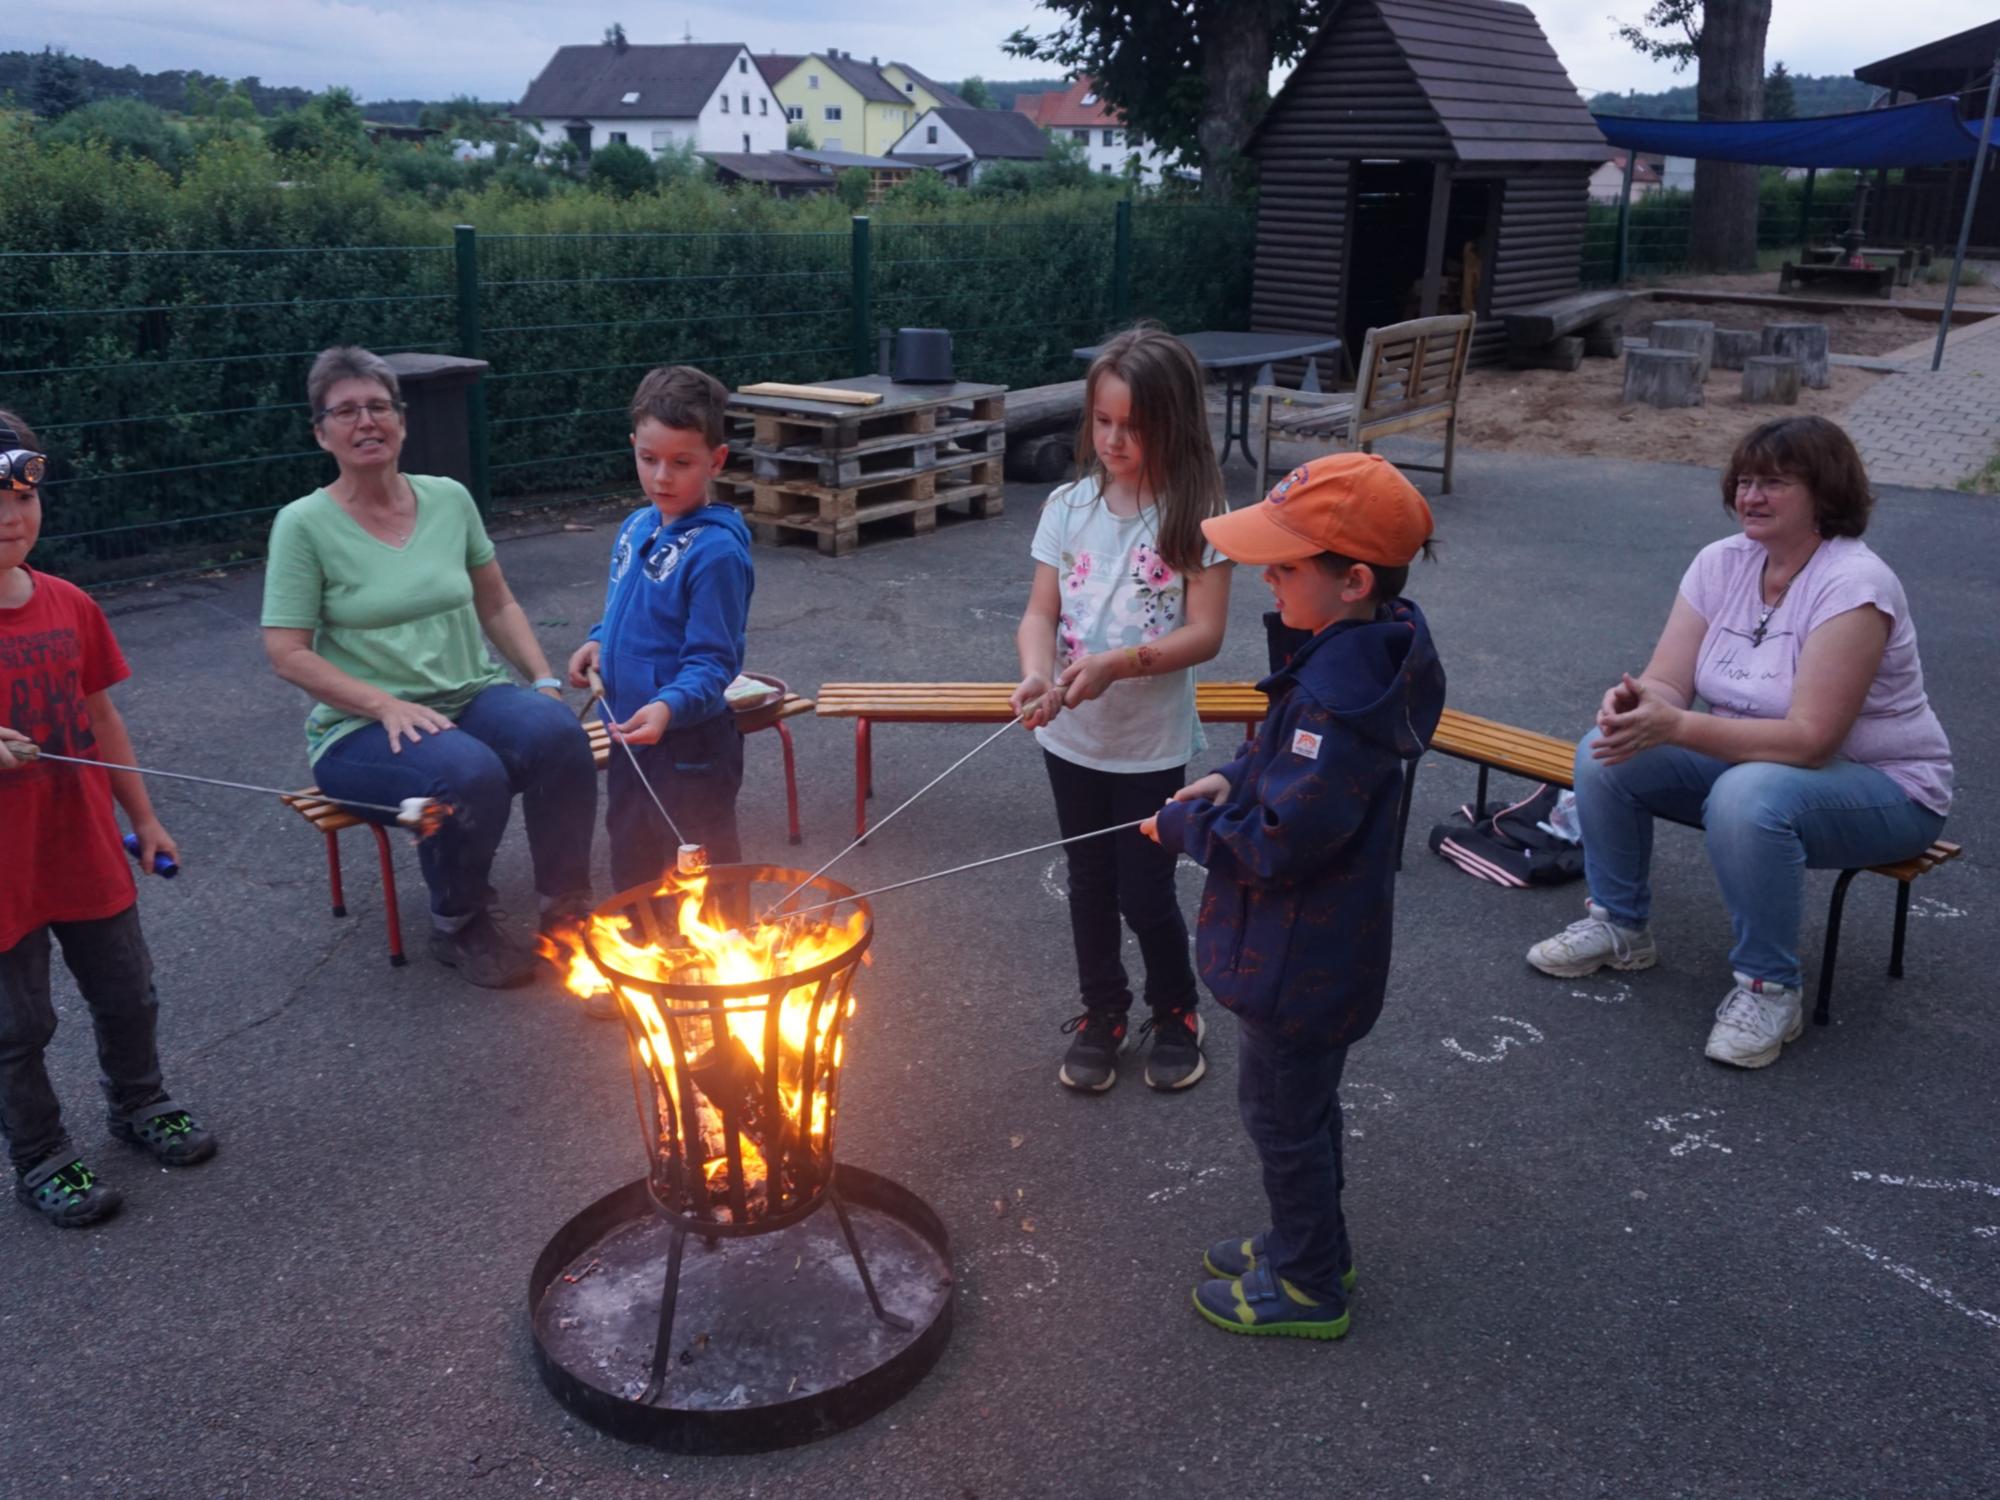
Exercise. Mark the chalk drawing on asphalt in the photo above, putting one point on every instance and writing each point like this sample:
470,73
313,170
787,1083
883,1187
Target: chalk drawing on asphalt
1930,1184
1908,1274
1690,1135
1523,1035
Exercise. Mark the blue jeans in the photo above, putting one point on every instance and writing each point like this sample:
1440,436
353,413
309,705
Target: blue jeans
1289,1096
509,740
1766,824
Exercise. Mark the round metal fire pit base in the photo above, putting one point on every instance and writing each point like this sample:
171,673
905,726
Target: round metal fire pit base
774,1340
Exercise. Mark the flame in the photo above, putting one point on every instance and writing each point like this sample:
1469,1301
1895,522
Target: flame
708,952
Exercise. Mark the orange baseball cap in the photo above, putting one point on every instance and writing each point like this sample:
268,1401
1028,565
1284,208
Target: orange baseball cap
1356,504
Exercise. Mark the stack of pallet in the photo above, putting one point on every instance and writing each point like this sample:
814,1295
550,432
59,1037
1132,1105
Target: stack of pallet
824,466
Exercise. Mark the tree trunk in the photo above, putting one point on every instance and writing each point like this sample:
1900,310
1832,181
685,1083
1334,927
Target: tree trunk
1729,85
1236,41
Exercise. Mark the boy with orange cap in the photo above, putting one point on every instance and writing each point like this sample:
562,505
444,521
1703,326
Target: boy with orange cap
1298,835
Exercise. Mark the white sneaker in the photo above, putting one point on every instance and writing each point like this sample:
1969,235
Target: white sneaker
1587,946
1754,1022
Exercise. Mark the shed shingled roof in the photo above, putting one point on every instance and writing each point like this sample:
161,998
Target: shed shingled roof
995,133
1493,87
591,82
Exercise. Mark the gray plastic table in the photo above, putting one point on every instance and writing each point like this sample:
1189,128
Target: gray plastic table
1237,357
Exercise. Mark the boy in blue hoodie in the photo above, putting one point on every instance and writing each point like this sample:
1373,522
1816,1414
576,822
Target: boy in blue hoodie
1298,835
671,639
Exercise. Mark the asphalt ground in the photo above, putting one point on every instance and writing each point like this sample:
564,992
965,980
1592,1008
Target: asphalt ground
1592,1263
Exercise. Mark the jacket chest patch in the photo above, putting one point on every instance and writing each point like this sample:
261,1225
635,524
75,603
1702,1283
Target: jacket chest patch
1305,745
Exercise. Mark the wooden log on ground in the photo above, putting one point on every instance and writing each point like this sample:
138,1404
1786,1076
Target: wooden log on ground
1662,377
1734,345
1804,342
1045,408
1604,340
1771,380
1530,327
1694,336
1042,459
1556,354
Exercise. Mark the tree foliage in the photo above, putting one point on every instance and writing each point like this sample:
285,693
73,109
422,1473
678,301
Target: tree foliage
125,128
1669,32
975,93
621,170
852,186
55,84
328,125
798,136
1780,103
1189,76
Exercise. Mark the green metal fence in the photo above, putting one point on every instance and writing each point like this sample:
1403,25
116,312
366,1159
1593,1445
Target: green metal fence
1656,232
169,384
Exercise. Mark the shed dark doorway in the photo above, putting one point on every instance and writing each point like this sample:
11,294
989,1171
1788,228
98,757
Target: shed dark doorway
1385,269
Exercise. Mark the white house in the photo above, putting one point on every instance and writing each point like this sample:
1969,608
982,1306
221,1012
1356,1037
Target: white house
1079,113
656,98
980,136
1608,181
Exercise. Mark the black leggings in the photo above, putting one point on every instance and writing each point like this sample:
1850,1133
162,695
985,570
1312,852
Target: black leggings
1122,874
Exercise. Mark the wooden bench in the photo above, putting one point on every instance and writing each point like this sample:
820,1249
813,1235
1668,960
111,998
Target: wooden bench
1555,335
871,703
1493,746
1409,377
1902,257
1878,281
331,819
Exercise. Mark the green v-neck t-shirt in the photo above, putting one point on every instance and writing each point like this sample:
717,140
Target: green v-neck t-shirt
398,618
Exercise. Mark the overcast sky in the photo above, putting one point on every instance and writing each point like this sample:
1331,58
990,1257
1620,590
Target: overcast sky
432,49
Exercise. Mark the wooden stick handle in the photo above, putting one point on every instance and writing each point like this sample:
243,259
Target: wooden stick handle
832,394
23,751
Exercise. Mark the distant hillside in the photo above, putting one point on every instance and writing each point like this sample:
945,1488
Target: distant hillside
1004,92
161,90
1815,96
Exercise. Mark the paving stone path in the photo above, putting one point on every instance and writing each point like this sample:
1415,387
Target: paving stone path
1932,428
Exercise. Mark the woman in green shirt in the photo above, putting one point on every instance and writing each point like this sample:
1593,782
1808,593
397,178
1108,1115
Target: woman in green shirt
380,595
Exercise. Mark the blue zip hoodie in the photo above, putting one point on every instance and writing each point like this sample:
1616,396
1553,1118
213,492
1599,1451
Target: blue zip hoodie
1297,914
675,612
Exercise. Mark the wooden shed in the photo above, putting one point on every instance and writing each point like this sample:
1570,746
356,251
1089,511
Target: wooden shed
1425,156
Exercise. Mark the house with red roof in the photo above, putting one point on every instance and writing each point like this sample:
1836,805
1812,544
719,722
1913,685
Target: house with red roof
1080,114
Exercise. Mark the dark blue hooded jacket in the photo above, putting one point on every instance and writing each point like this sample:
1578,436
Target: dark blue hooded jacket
675,612
1297,913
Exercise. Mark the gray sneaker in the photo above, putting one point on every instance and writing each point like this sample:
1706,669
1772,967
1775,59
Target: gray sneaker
1754,1022
1592,944
484,954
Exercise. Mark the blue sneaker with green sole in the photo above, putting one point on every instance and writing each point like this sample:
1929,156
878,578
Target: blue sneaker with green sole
1265,1305
1232,1260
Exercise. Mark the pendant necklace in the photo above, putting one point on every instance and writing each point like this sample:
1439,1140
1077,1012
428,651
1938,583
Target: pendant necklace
1764,620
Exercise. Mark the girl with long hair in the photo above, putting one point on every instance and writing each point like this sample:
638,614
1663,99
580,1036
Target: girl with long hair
1127,600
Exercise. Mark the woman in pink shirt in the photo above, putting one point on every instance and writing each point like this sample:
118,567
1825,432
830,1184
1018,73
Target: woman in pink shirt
1817,746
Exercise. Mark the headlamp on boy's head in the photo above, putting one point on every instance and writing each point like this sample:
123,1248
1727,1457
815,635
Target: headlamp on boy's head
20,468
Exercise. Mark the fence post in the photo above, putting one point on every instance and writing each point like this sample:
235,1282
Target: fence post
1805,212
863,274
465,246
1625,219
1121,265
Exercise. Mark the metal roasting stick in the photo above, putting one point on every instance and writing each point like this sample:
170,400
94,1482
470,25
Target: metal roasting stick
880,823
35,752
957,870
611,729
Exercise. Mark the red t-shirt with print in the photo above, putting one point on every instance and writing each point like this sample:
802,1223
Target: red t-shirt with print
64,861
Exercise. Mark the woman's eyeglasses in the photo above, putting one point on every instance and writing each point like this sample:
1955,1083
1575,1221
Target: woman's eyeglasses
352,412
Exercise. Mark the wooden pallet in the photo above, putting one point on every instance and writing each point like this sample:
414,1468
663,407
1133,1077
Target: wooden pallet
861,427
880,458
834,518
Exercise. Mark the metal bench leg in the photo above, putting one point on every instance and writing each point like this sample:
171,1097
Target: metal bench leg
333,874
1479,799
791,782
1823,1009
389,911
1902,923
1403,812
864,776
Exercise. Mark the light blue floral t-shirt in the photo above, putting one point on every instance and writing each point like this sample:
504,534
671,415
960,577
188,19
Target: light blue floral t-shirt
1117,591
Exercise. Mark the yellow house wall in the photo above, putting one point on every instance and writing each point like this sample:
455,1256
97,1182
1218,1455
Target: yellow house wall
868,127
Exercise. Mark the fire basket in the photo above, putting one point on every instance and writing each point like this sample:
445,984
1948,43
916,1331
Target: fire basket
737,1032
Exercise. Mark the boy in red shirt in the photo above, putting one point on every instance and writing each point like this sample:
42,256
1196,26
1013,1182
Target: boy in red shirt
65,875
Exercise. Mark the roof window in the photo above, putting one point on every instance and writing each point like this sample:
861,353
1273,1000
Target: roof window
631,98
1090,98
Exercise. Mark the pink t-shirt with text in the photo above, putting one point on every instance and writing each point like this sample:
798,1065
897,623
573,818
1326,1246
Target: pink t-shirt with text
1896,732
